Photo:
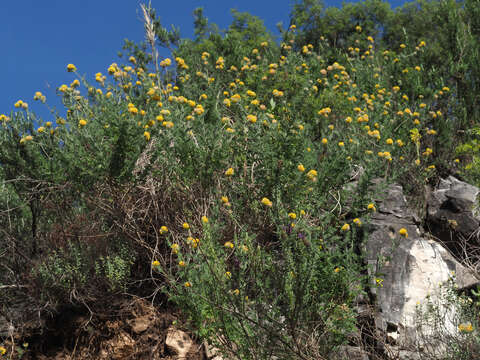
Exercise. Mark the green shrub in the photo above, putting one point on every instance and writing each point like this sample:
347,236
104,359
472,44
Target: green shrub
435,318
236,178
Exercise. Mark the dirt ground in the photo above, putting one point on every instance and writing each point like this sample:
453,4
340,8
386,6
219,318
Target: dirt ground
134,330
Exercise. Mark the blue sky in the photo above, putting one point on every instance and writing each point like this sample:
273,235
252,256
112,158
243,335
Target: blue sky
39,38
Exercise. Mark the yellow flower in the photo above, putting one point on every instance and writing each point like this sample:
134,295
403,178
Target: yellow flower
181,263
252,118
301,168
199,110
188,284
427,152
465,327
371,207
224,199
266,202
204,219
312,175
229,172
277,93
236,292
163,229
228,274
251,93
389,141
147,135
166,62
82,122
345,227
41,129
236,98
292,215
63,88
357,222
155,263
229,245
341,144
403,232
71,68
337,269
175,248
186,226
325,111
324,141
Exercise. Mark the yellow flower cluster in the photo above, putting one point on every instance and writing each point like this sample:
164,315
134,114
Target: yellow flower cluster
21,104
39,96
71,68
166,62
265,201
465,327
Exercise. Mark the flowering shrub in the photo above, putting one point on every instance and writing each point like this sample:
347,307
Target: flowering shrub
234,177
435,319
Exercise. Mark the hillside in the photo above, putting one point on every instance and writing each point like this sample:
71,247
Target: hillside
265,196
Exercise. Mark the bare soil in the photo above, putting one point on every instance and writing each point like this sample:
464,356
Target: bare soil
132,329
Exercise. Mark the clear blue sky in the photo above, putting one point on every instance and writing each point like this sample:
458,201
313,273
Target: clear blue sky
39,38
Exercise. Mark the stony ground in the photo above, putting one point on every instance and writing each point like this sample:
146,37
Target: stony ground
136,331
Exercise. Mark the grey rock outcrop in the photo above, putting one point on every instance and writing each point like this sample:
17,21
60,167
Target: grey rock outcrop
406,271
452,212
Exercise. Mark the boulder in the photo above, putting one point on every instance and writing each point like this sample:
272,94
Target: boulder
407,270
351,353
452,211
178,342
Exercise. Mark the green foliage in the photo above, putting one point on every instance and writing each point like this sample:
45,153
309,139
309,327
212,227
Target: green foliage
469,152
447,323
78,272
236,179
257,300
66,269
